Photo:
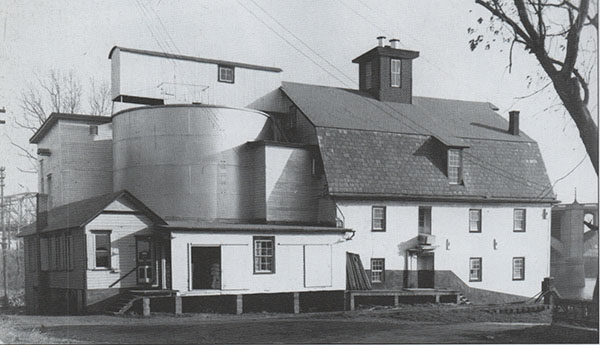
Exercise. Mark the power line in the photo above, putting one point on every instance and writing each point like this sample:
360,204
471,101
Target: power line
427,131
290,43
303,43
563,177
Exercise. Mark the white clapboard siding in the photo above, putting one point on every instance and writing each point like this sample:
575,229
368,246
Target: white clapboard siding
123,227
317,266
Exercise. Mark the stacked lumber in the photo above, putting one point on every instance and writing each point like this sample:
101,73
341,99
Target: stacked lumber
356,277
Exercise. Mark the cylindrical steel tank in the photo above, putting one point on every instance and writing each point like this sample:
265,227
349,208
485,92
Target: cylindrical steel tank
188,161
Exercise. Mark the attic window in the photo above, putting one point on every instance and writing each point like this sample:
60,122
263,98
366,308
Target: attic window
292,118
94,130
455,166
226,74
368,75
396,72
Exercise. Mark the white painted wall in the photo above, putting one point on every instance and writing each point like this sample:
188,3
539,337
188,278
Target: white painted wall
451,222
325,263
123,228
182,81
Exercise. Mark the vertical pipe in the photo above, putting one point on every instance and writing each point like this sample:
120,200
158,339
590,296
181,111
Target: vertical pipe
5,299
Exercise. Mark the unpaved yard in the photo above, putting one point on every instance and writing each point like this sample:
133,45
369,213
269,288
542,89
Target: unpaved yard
410,324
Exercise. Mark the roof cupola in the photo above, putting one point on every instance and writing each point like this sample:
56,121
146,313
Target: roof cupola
386,72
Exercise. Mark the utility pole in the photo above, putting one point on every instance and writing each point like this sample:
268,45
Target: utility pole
5,299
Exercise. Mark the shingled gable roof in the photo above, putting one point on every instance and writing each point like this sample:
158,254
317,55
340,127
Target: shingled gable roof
379,149
54,117
79,213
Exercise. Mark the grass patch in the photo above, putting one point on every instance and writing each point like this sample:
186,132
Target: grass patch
10,333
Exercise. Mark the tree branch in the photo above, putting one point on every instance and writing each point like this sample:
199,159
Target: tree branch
573,39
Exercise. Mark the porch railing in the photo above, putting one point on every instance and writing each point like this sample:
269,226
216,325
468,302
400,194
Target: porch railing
123,277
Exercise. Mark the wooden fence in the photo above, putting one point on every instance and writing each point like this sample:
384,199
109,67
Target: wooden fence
575,312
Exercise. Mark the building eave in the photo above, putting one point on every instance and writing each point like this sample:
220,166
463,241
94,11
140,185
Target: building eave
439,198
55,117
194,59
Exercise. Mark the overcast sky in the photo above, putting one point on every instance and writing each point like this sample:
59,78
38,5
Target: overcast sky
304,38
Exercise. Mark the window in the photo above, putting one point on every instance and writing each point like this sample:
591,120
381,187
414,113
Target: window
93,130
42,176
226,74
317,167
518,268
396,72
102,249
519,220
44,254
368,75
474,220
455,166
377,270
378,219
475,269
69,250
425,220
292,118
49,189
264,255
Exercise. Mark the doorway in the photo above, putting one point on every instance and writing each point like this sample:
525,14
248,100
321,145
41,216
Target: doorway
206,268
426,272
146,264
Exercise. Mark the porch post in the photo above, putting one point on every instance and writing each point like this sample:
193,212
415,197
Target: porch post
239,304
296,302
163,267
146,305
177,305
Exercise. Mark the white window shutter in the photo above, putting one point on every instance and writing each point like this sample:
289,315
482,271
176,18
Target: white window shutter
114,258
91,251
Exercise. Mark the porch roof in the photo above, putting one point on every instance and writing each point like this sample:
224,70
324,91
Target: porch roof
203,226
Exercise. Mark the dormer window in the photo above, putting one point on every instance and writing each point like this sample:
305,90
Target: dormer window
292,118
368,75
396,72
226,74
455,166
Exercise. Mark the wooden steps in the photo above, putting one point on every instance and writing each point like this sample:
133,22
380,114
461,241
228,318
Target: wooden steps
122,304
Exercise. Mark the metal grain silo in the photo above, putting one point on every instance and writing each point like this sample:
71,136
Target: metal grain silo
187,161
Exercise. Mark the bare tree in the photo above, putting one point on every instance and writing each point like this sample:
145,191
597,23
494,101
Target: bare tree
552,31
99,98
61,93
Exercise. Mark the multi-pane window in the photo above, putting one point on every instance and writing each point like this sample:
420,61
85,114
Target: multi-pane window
519,220
396,72
425,220
69,251
264,255
455,166
368,75
378,218
474,220
49,189
102,249
377,270
292,118
226,74
518,268
475,269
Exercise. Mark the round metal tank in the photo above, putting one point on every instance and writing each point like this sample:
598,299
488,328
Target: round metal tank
188,161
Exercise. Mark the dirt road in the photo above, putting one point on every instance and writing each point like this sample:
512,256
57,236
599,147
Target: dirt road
354,327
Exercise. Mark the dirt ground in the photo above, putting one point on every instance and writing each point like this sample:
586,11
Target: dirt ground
410,324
